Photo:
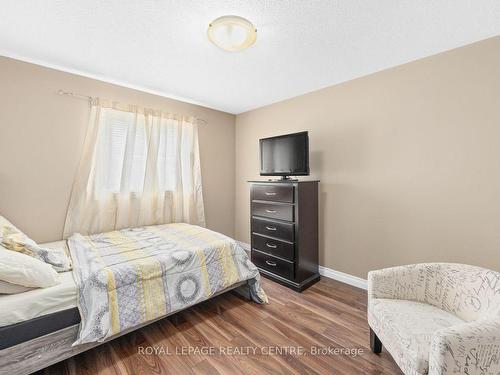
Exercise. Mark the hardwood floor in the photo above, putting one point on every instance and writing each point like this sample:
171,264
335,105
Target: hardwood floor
328,315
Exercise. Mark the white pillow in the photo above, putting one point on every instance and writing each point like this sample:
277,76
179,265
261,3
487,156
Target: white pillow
21,269
9,288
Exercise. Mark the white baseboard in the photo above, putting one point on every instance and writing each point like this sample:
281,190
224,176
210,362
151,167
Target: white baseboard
345,278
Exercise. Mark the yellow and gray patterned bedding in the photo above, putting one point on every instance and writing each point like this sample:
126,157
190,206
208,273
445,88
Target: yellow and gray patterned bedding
13,239
128,277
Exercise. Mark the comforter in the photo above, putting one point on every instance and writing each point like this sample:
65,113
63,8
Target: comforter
132,276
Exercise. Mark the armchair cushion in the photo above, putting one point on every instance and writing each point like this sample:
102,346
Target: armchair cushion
406,329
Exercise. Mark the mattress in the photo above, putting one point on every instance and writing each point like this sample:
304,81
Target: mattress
37,327
16,308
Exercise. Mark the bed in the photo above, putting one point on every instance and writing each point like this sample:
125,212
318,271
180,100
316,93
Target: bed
44,326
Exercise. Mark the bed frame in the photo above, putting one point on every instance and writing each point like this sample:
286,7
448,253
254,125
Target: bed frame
41,352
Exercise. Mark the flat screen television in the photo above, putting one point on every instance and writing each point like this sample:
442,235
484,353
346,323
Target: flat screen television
285,155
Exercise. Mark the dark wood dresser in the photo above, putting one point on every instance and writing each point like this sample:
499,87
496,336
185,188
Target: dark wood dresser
284,230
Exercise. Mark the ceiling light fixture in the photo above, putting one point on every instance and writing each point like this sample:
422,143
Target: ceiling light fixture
232,33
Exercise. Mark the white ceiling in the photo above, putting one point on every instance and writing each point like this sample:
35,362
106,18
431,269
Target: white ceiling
161,46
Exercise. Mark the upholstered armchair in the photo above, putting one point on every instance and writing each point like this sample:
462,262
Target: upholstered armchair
436,318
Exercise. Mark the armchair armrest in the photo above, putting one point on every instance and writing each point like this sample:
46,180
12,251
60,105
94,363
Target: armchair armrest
397,282
469,348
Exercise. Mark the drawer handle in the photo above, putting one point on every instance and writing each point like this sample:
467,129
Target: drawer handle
271,228
269,263
271,245
270,193
271,211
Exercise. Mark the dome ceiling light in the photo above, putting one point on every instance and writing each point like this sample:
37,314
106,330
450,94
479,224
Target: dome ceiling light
232,33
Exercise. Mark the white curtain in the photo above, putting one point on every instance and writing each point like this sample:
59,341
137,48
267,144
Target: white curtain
139,167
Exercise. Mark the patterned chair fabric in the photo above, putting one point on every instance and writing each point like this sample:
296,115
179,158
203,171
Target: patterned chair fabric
437,318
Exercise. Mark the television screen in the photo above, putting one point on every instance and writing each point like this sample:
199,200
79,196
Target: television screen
285,155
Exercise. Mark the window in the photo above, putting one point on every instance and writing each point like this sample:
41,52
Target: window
126,146
139,167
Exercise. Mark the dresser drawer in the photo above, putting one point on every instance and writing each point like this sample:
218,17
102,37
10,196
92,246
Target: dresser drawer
270,192
281,211
273,247
272,264
283,231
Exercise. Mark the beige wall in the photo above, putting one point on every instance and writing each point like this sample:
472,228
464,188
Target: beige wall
408,158
41,136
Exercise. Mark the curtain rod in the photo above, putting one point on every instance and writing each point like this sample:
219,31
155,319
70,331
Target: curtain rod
74,95
91,100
